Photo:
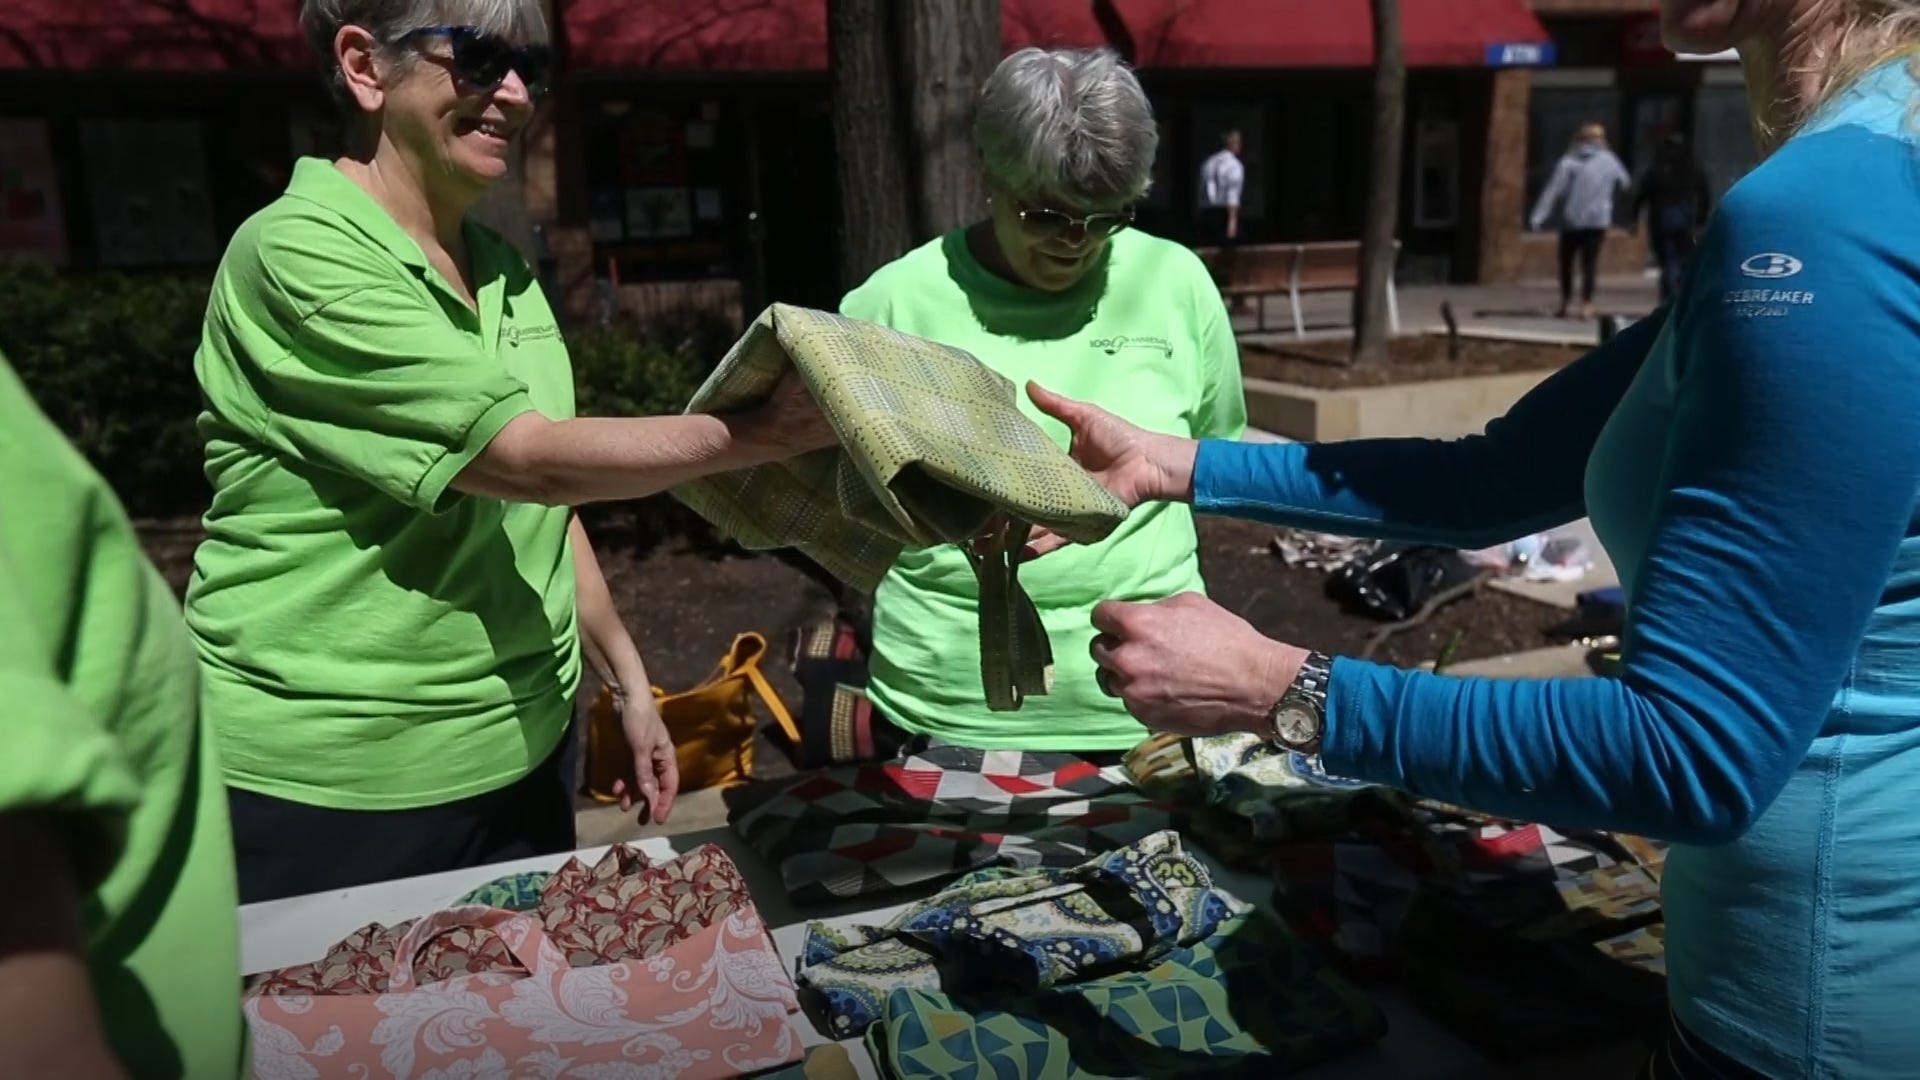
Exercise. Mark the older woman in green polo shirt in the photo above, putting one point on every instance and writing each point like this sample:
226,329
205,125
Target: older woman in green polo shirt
394,594
1054,285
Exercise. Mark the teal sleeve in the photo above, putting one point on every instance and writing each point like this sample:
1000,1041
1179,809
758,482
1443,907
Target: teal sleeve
1786,494
1524,473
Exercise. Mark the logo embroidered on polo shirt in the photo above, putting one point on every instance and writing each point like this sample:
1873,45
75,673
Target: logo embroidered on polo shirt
518,334
1111,346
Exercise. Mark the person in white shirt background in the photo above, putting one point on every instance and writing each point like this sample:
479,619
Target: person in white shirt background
1221,179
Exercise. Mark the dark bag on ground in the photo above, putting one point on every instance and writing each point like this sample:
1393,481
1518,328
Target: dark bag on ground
1393,581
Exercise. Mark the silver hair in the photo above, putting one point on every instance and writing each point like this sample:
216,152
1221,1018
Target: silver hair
1068,124
520,21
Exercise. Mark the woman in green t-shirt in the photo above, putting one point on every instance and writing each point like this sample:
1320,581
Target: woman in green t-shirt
1054,285
394,593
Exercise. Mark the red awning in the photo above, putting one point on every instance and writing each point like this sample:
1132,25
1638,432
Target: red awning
769,36
1051,24
1325,33
695,35
151,35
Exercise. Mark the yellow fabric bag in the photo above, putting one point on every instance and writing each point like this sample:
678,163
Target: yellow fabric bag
712,725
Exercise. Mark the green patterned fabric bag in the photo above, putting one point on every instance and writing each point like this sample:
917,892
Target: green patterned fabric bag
1248,1001
935,450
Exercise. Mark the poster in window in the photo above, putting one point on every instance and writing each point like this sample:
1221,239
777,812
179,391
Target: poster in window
606,217
659,213
1436,173
148,182
653,150
31,219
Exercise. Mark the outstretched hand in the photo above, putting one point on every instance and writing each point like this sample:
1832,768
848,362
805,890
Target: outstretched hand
1134,464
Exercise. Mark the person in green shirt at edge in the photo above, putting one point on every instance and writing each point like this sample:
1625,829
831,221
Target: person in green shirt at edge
394,593
119,946
1054,286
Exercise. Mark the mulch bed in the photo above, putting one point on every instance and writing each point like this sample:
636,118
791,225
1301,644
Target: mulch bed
1419,358
685,601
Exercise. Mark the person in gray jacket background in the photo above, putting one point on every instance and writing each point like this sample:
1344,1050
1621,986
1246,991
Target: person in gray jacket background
1581,195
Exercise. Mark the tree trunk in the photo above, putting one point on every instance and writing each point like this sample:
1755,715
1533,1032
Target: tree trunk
1370,328
950,47
868,124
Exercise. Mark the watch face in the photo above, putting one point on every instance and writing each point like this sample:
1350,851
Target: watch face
1295,725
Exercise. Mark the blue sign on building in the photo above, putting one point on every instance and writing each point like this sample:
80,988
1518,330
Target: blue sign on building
1520,54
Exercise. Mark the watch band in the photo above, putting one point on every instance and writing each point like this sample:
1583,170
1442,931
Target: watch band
1316,672
1306,694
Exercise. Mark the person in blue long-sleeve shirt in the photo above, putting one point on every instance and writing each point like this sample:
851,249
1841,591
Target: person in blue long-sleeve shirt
1750,457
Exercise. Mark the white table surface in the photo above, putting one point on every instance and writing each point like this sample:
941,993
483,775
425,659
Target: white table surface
281,933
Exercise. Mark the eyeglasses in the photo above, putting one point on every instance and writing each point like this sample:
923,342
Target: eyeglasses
481,60
1056,223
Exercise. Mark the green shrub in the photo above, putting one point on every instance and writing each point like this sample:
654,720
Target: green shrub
109,357
651,368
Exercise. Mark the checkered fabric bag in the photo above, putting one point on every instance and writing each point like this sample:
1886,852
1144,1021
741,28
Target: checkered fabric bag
940,812
935,450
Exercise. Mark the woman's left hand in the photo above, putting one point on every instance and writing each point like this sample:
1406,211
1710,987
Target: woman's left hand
1188,666
655,762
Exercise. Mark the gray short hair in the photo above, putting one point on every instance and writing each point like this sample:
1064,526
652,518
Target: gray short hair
520,21
1071,124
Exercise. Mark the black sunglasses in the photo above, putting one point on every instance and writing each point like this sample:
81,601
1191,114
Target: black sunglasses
1055,223
481,60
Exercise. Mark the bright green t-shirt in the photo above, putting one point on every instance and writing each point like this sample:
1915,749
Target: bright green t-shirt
102,725
1144,336
370,638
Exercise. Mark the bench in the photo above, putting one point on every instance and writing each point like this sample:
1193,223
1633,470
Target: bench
1263,270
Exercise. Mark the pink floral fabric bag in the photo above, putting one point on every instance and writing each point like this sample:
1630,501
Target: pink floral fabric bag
717,1004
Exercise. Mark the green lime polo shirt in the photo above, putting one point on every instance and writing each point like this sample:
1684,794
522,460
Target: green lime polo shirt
1145,336
102,726
370,638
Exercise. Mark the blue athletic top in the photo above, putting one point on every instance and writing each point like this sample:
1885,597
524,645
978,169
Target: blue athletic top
1750,459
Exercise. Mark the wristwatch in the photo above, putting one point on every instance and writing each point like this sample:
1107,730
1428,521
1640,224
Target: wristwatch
1300,716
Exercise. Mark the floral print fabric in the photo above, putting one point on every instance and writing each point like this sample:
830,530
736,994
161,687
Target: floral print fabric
714,1004
620,908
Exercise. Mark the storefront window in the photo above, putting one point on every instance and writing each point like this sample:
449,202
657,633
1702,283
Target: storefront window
1723,135
32,220
657,189
1436,172
147,185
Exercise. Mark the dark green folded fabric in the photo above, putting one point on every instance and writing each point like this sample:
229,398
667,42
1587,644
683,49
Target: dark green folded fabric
1250,1001
934,450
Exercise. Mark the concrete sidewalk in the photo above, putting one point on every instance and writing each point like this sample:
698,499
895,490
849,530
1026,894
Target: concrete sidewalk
1524,310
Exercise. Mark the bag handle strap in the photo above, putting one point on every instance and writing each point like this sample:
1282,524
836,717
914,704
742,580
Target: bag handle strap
522,934
1016,659
744,658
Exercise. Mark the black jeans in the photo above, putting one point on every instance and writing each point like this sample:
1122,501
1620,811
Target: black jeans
1582,244
287,848
1671,250
1682,1056
1212,223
